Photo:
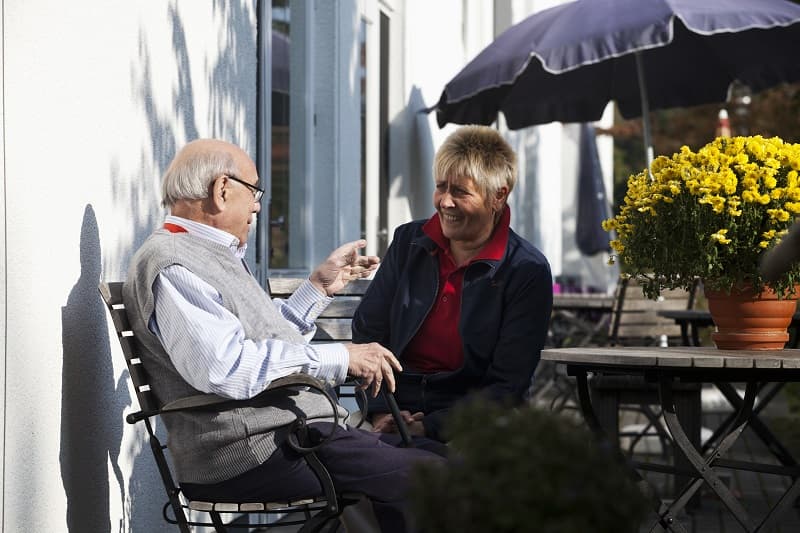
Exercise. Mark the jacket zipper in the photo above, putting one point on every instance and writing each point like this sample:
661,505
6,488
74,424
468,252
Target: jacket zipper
427,312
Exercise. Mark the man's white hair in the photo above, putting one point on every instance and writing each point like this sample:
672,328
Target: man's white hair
190,175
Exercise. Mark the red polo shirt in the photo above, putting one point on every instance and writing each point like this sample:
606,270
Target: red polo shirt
437,345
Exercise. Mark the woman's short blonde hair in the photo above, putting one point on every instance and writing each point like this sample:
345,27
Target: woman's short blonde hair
479,153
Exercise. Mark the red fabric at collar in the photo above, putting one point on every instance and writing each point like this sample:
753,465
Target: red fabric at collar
174,228
492,250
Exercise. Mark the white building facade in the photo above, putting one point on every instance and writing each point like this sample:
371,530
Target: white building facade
97,97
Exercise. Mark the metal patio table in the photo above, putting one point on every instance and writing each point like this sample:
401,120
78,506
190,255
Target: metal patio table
668,366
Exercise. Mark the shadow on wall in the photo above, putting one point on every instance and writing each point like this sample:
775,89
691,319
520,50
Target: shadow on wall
526,196
232,103
92,403
422,153
169,115
232,84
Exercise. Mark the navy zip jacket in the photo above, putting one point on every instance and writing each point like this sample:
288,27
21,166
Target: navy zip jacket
505,311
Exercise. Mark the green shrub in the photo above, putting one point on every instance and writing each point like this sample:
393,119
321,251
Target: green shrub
524,470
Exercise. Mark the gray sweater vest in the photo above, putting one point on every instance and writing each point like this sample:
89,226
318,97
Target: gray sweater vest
208,447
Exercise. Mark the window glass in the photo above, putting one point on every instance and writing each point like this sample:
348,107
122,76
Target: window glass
362,74
279,202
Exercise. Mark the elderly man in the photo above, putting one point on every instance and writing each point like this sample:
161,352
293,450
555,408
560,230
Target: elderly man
206,325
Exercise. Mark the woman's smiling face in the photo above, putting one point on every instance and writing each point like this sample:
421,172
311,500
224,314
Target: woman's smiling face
464,212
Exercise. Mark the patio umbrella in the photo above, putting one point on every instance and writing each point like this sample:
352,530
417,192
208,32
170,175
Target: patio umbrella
567,62
592,203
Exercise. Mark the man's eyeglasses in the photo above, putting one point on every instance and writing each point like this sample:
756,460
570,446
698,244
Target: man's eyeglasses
257,192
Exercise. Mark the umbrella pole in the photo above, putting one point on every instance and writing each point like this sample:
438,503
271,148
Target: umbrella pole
648,143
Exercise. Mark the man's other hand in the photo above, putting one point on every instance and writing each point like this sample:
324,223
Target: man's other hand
342,266
372,364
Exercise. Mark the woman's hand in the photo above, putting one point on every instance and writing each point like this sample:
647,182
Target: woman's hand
384,423
342,266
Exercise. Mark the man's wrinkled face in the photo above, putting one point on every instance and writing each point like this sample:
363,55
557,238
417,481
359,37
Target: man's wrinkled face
245,208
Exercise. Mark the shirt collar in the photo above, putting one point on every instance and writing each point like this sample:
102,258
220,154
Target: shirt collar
211,233
493,250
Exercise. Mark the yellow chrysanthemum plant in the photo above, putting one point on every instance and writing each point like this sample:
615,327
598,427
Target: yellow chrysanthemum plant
709,214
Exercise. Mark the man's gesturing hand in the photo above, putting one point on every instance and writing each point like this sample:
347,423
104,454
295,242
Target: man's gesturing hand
372,364
342,266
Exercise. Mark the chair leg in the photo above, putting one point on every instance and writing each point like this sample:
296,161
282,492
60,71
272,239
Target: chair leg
606,409
216,519
318,522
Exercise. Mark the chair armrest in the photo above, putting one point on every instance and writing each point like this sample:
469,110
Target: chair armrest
199,402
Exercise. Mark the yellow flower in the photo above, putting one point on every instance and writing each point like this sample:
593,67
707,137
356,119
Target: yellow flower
770,182
778,214
710,212
720,236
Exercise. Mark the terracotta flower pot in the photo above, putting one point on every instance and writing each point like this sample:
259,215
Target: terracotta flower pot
746,320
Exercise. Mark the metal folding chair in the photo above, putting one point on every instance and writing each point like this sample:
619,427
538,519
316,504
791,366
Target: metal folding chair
316,512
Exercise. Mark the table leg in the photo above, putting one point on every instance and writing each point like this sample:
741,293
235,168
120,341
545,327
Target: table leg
665,516
770,440
585,402
695,335
786,500
705,468
684,332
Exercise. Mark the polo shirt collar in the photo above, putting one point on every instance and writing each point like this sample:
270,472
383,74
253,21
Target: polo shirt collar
211,233
493,250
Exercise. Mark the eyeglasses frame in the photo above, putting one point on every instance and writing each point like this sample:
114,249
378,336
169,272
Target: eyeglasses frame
258,192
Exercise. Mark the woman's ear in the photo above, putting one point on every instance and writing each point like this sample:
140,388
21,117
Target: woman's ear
500,197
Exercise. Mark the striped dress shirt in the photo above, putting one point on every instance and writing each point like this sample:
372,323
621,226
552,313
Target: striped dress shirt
207,343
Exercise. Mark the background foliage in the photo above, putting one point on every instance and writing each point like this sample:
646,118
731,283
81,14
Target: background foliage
774,112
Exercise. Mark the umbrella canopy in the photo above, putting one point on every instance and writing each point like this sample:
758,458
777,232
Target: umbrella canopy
592,203
567,62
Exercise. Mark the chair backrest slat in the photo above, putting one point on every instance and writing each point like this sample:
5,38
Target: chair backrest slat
333,330
112,296
342,307
635,320
334,324
120,318
284,287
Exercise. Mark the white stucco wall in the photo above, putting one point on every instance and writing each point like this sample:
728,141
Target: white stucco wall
98,94
438,39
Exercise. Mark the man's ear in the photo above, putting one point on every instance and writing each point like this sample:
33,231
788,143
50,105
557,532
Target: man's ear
219,193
